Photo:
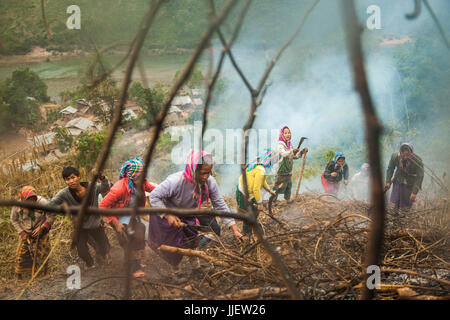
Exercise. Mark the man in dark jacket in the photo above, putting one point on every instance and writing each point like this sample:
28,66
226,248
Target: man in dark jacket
408,177
92,228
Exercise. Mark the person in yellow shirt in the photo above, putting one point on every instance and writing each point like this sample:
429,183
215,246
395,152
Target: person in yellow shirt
256,173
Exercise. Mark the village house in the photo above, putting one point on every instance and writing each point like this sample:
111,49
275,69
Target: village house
82,103
197,93
133,106
79,125
68,113
129,114
182,102
198,103
46,140
388,43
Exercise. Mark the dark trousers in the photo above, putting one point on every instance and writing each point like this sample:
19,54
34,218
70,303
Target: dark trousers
284,184
137,243
101,244
210,222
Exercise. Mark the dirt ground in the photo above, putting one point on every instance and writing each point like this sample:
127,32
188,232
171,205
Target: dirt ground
321,240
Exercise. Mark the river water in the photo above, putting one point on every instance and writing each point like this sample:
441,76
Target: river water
66,74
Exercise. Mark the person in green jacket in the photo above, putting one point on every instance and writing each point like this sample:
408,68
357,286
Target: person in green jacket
283,180
405,173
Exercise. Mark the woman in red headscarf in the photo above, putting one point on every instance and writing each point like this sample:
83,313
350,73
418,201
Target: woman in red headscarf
33,227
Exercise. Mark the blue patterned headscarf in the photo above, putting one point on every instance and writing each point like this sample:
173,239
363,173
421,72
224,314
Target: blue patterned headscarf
131,170
337,156
267,159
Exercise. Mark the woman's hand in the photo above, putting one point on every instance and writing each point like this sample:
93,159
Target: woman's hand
296,150
334,174
260,207
237,234
119,228
173,221
36,232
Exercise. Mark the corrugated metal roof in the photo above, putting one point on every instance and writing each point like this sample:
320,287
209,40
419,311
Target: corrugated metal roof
69,110
198,101
174,109
43,139
130,113
80,123
181,100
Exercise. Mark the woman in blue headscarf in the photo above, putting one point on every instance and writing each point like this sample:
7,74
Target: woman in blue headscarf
332,176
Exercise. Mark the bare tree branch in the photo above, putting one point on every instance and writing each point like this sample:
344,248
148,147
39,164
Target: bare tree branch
416,12
225,50
44,19
436,20
123,211
262,86
161,117
103,155
373,131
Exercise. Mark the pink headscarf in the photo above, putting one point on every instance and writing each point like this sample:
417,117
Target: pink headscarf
189,175
281,138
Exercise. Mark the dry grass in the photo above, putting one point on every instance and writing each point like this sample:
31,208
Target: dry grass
320,239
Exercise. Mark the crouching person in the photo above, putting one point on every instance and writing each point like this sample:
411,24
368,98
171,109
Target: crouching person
33,227
123,195
335,171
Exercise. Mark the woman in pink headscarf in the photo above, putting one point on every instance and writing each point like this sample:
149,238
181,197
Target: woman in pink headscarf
186,189
283,180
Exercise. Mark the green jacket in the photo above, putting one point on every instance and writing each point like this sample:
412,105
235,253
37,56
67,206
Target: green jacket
409,172
285,166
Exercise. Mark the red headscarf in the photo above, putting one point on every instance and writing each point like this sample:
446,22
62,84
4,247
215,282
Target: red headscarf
27,192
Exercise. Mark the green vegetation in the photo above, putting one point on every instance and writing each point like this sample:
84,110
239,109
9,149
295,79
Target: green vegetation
88,146
178,25
196,79
20,97
64,139
150,99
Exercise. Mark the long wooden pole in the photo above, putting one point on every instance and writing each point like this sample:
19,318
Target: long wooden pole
300,178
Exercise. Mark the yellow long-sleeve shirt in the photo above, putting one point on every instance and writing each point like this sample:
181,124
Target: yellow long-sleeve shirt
256,179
